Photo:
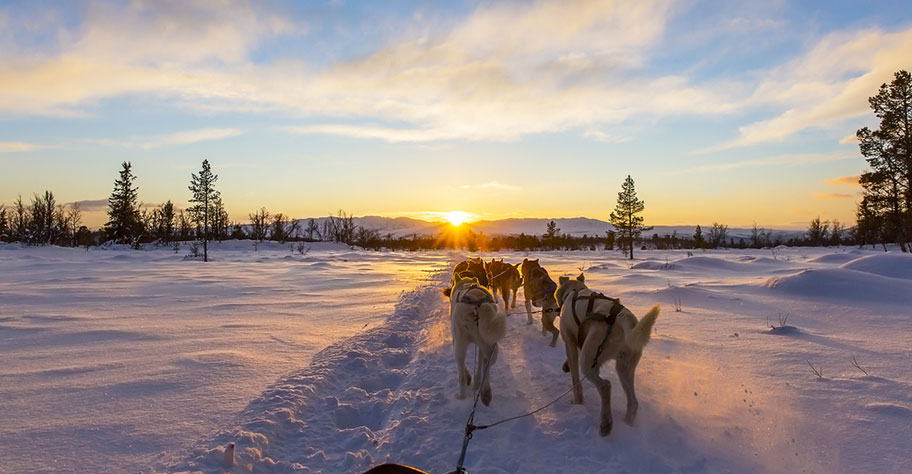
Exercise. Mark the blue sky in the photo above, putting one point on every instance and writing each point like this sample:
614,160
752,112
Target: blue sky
736,112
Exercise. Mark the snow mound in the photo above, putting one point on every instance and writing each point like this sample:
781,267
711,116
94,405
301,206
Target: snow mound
890,409
893,265
654,265
835,258
709,264
843,284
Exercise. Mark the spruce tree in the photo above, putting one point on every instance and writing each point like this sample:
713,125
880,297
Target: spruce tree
124,221
204,196
626,218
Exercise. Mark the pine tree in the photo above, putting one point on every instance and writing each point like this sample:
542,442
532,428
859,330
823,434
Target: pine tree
699,240
4,225
165,231
124,221
888,150
626,218
204,195
551,234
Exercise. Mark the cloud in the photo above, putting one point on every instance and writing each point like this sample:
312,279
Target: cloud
845,180
91,205
600,136
833,196
506,71
179,138
786,160
392,135
492,185
829,83
850,138
18,147
191,136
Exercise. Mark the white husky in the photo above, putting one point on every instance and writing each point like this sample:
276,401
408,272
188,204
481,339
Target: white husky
474,319
595,329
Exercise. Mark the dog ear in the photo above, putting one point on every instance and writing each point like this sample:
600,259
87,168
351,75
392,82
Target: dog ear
581,278
525,260
563,280
447,292
535,261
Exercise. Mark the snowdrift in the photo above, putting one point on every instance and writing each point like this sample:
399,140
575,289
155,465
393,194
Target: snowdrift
844,285
893,265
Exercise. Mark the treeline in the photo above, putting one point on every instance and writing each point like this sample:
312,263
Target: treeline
44,222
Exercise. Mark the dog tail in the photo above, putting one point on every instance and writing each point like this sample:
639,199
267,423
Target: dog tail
639,336
492,325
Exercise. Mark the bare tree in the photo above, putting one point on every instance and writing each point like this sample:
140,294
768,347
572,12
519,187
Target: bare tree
717,235
259,225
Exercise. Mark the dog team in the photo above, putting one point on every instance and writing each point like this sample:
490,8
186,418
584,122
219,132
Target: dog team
595,328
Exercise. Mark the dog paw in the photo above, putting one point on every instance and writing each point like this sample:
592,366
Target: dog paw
566,366
631,416
486,397
605,428
554,343
460,395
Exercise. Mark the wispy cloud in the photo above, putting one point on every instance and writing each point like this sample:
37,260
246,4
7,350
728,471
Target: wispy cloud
850,138
18,147
833,196
600,136
786,160
91,205
829,83
178,138
845,180
495,185
191,136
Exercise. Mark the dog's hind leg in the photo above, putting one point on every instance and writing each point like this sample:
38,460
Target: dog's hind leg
488,356
548,325
513,305
589,364
626,368
528,305
572,364
463,377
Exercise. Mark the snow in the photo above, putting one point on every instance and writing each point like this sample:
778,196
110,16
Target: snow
340,359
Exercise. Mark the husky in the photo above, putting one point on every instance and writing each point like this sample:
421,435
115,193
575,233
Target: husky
596,329
538,291
505,279
474,319
473,267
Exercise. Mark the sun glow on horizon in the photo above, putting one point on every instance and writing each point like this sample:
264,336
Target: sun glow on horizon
457,218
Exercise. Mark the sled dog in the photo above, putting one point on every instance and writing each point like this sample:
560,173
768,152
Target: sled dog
474,319
596,329
473,267
538,291
504,278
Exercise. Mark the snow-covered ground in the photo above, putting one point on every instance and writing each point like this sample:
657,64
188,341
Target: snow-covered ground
340,360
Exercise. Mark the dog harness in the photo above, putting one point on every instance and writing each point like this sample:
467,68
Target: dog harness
589,316
461,297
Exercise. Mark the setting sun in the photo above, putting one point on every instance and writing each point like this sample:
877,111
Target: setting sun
457,218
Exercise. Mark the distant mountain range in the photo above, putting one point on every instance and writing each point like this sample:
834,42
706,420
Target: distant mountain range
576,226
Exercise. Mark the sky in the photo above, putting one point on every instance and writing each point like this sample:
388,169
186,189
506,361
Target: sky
721,111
